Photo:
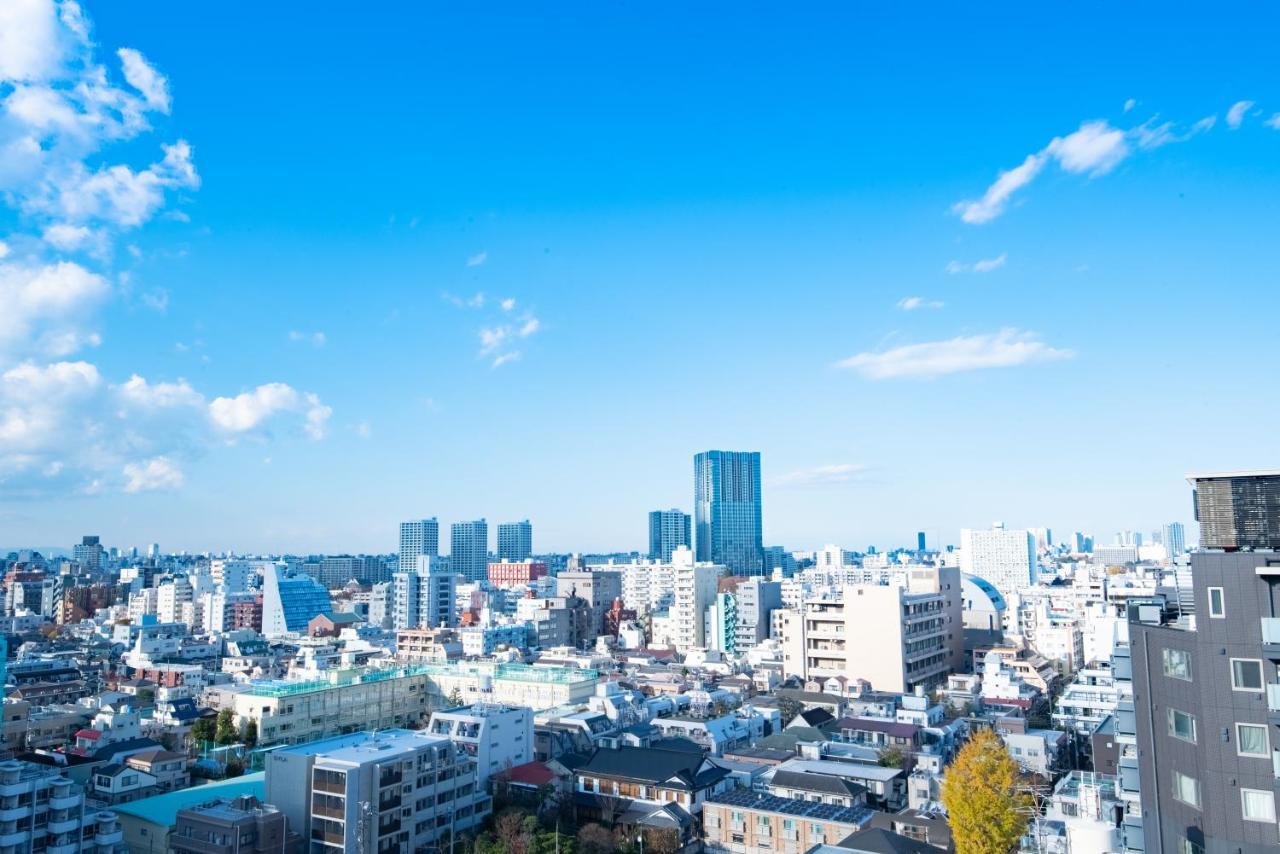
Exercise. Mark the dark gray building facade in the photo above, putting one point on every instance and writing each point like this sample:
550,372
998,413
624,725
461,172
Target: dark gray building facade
1206,709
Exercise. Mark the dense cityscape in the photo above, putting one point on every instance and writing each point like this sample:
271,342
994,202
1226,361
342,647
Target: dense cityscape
713,693
628,428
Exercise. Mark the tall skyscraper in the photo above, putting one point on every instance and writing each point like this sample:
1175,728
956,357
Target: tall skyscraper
668,531
1174,537
469,549
920,541
1238,510
88,552
420,537
726,506
515,541
1005,557
1206,699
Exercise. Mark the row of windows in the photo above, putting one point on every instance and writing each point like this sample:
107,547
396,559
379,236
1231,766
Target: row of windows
1252,740
1246,673
1255,804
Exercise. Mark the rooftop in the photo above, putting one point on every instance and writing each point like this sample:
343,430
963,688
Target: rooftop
163,809
750,799
375,673
360,747
1193,477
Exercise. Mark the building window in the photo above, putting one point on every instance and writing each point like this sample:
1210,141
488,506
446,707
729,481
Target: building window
1257,805
1186,789
1177,664
1246,674
1182,725
1216,609
1186,846
1252,740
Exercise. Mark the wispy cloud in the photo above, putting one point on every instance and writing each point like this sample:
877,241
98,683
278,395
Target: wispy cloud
1236,114
822,475
154,474
1273,122
315,339
508,304
1094,149
1130,104
982,265
477,259
913,303
1004,349
476,300
499,342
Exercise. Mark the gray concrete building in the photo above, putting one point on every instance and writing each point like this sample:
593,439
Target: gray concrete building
1206,705
243,825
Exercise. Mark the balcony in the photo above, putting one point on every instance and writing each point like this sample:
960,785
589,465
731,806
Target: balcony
64,824
1275,762
1273,703
1128,768
1271,637
1126,718
64,802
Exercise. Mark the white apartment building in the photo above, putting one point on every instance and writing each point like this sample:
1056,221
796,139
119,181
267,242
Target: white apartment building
424,597
1087,700
895,636
393,790
694,586
1003,556
496,737
41,810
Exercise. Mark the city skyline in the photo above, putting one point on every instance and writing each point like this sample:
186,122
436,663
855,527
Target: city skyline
933,287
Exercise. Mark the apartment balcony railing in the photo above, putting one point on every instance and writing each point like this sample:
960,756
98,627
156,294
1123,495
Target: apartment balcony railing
1271,637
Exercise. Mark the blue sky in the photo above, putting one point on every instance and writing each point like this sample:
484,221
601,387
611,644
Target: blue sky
716,227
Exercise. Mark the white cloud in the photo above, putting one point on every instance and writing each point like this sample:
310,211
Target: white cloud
530,326
1273,123
493,337
819,475
477,259
30,40
1004,349
156,300
997,196
1130,104
315,339
504,358
160,395
1094,149
141,76
46,303
154,474
250,410
913,303
1235,115
497,341
67,237
508,304
982,265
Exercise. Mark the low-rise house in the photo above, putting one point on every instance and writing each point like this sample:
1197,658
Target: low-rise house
746,822
169,769
612,780
817,788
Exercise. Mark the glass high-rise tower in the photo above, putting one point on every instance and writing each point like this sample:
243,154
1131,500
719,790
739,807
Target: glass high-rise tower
515,541
419,537
726,507
668,530
469,549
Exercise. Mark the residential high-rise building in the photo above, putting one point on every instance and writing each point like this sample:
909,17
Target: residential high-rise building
1003,556
598,589
668,531
424,596
469,549
1206,705
88,552
389,790
1238,510
515,541
1174,537
420,537
755,600
920,541
694,584
915,625
726,499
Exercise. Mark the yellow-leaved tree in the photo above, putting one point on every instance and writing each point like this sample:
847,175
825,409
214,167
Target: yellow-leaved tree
986,803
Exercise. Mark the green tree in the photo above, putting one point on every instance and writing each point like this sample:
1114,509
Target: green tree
986,803
892,756
251,734
202,730
789,708
226,732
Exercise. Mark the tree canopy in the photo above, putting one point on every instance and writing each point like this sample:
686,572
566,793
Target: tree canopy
987,804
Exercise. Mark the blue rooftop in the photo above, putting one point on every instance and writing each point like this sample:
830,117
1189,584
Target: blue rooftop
163,809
